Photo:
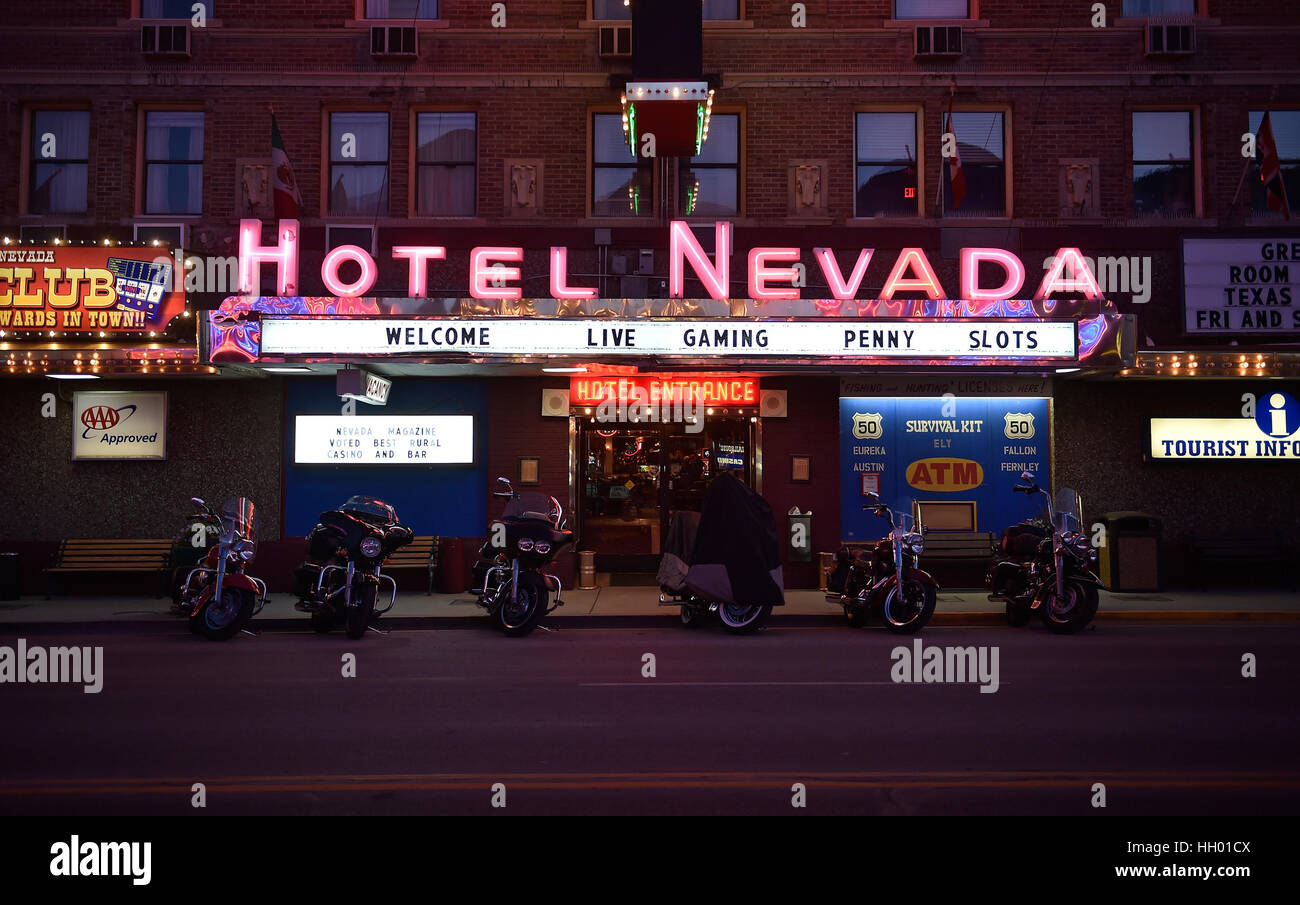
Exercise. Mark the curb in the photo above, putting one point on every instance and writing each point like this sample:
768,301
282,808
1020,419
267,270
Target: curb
793,620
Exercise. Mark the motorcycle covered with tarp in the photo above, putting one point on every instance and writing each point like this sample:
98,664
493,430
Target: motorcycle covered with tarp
735,563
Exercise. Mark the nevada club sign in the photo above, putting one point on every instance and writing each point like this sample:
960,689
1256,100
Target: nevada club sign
771,270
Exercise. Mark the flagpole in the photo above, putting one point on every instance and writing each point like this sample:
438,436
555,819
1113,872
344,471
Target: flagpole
1249,160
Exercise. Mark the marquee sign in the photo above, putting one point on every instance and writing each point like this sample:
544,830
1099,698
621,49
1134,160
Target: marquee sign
383,440
730,338
655,389
87,289
1242,285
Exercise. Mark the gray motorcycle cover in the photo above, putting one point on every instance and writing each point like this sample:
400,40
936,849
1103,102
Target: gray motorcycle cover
676,562
737,556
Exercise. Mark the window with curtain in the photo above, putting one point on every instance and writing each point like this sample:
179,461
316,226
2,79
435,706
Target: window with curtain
616,10
1164,180
401,9
60,162
173,162
708,185
1285,125
621,185
886,165
446,161
173,9
358,156
981,149
1139,8
931,9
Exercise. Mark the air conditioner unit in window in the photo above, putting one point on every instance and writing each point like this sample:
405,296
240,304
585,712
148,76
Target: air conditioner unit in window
1170,38
165,40
392,41
938,41
616,40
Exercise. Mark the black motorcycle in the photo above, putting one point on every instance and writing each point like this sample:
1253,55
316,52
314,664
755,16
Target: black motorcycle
508,578
1046,568
341,578
873,579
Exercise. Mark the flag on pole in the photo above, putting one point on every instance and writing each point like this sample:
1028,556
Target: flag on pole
955,174
287,200
1270,169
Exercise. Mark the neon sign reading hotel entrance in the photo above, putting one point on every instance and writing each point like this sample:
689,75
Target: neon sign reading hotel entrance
771,270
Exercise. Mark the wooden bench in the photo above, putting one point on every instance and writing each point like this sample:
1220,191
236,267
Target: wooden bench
958,545
82,556
1238,551
420,553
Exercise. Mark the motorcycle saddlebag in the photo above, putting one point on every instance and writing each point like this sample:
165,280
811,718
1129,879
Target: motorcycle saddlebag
1021,540
304,579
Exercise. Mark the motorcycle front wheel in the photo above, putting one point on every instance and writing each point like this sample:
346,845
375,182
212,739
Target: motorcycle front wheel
1071,613
519,617
908,613
743,618
357,618
220,620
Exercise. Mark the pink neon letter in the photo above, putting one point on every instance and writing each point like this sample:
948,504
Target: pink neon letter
1056,281
925,280
971,258
329,271
480,272
835,279
760,273
252,253
417,284
560,277
683,245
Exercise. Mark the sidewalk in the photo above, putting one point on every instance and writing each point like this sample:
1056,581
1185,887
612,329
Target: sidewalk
640,606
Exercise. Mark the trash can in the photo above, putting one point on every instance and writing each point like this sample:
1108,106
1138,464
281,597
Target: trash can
451,566
586,570
799,535
1132,559
11,576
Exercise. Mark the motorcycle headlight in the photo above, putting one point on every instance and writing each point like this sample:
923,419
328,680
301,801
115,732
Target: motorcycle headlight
914,544
524,543
371,547
1081,545
245,549
542,547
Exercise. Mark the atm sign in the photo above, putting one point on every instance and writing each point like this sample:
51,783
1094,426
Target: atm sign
944,475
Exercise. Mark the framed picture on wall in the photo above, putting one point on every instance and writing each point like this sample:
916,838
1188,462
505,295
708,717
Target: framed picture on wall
801,469
529,470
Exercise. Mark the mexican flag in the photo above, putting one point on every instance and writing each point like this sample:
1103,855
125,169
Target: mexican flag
287,200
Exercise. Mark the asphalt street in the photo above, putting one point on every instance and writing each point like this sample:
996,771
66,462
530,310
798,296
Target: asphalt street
568,723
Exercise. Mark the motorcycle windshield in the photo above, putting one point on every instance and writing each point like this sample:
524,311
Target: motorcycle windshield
905,515
370,509
239,520
1067,510
532,504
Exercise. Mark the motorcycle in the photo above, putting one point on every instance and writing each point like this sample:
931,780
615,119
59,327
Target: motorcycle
727,562
340,580
1047,573
189,546
509,580
218,594
886,580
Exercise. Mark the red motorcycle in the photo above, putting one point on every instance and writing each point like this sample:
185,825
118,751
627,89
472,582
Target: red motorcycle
886,580
219,595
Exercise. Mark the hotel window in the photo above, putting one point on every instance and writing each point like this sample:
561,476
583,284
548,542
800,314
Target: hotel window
886,166
1143,8
446,160
1164,178
621,185
714,10
173,162
60,155
981,150
401,9
173,9
708,185
1285,126
931,9
358,156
